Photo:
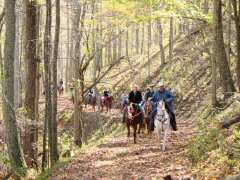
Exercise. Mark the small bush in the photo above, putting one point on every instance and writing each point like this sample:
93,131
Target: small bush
200,145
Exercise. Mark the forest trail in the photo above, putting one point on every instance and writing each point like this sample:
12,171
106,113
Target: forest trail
119,158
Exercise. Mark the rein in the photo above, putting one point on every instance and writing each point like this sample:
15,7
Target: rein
136,114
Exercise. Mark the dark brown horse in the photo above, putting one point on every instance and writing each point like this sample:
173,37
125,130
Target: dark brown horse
132,119
91,99
147,112
107,101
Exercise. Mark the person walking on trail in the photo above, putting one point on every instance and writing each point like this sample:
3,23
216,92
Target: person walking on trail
164,95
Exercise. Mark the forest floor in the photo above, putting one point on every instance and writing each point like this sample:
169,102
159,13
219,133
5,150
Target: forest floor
119,158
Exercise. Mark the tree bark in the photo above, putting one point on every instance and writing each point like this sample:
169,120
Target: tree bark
29,145
126,42
162,51
236,11
9,117
171,39
54,158
229,30
47,75
137,38
220,53
206,6
143,39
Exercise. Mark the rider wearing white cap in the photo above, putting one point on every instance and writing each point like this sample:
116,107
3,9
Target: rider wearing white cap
164,95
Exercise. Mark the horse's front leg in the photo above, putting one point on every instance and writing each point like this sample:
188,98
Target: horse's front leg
135,133
139,128
165,133
147,126
128,130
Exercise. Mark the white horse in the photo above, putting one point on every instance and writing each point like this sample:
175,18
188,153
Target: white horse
162,123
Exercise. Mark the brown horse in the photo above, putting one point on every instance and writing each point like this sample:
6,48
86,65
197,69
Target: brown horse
132,119
147,112
107,101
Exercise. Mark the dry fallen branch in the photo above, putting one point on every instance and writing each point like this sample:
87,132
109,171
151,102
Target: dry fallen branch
228,123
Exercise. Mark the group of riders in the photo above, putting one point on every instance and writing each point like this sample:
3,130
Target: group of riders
135,96
153,97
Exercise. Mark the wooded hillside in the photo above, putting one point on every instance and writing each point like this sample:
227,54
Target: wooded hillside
53,54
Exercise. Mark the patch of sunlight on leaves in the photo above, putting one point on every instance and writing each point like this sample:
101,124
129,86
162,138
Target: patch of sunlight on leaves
113,131
123,153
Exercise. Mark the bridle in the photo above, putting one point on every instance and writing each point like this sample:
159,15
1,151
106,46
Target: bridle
128,110
163,116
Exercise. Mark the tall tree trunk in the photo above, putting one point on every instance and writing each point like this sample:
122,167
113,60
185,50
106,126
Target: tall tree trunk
214,82
137,37
119,44
143,37
236,11
30,86
126,43
171,39
10,123
109,52
206,6
77,71
47,75
220,53
68,50
162,51
114,46
17,63
149,46
229,30
55,156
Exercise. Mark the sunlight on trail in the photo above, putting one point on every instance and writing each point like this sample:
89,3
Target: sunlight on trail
119,158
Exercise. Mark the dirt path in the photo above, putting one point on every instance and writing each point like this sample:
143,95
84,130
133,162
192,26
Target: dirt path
119,158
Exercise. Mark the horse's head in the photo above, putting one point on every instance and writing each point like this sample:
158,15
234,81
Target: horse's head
161,111
127,112
148,107
134,108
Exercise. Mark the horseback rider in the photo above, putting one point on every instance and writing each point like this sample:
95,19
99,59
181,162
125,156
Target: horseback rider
105,93
61,82
135,97
148,94
60,85
164,95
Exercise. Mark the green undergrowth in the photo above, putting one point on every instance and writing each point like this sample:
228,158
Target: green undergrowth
213,151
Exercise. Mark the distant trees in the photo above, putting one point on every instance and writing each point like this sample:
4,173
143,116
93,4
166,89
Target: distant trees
219,50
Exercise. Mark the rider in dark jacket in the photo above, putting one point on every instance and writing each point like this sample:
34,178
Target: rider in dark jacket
135,96
149,94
